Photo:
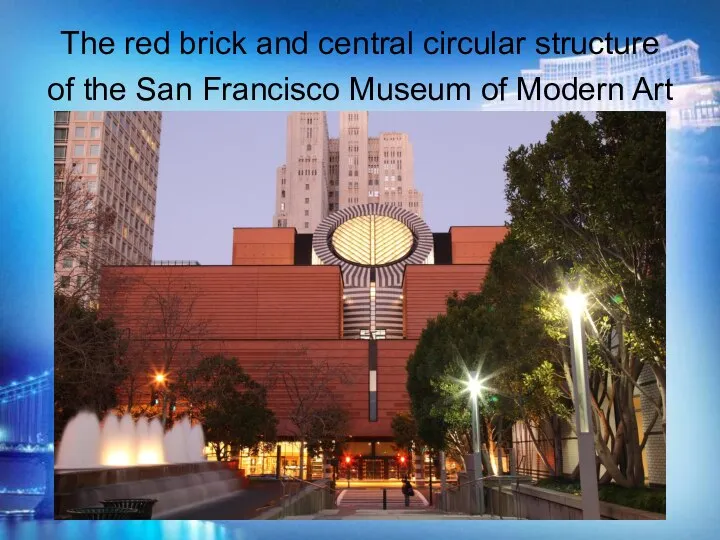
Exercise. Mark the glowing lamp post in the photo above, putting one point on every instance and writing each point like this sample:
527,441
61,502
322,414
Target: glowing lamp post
160,380
474,386
575,303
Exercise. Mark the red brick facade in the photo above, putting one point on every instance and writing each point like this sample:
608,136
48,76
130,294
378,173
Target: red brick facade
278,317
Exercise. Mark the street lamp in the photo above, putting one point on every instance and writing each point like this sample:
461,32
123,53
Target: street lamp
160,380
474,386
576,302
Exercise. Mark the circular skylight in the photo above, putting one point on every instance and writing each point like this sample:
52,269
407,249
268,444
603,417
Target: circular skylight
372,240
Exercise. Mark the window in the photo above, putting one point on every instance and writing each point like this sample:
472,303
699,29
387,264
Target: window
95,150
92,168
92,187
94,132
307,212
84,242
60,152
79,150
282,193
80,132
279,222
97,115
61,134
307,225
81,115
309,147
58,189
64,281
67,262
307,201
282,207
62,117
307,187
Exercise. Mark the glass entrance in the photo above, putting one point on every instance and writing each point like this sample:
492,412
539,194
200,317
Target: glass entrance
374,469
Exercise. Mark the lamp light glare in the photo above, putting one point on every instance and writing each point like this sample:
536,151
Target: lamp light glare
474,385
160,378
575,302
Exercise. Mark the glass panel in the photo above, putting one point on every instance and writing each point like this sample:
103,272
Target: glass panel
385,449
358,449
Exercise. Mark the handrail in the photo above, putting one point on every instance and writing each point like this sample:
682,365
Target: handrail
499,477
287,481
295,479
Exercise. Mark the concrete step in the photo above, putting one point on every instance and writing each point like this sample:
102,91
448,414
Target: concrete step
373,498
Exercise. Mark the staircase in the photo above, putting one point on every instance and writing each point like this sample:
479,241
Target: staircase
372,499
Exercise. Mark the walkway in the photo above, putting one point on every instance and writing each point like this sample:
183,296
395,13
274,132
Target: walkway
366,514
245,504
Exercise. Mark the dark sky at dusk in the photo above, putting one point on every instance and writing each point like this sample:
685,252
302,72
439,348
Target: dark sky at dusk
217,171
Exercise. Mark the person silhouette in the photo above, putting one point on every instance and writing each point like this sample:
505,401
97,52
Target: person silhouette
407,491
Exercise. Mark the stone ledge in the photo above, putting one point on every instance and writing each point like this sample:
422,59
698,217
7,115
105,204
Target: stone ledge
607,510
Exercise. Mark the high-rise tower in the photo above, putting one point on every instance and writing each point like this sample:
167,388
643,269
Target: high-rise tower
322,175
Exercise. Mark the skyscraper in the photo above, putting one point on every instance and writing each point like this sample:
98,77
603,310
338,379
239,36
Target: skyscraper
106,164
322,175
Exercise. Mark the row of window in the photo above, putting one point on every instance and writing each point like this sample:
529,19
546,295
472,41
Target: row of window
63,117
81,150
81,132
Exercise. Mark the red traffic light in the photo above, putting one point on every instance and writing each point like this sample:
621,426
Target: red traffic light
402,459
347,459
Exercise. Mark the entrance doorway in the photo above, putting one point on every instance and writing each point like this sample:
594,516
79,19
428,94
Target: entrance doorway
373,469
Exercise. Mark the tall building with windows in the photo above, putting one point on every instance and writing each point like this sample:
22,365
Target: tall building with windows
322,175
111,158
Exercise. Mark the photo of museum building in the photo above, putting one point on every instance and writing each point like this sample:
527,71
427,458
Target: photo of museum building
351,298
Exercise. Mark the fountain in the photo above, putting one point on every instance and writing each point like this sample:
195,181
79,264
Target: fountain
88,444
120,458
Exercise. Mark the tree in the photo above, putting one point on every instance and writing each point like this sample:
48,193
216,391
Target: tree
82,224
328,431
88,366
405,432
160,331
448,348
229,404
590,199
531,386
308,387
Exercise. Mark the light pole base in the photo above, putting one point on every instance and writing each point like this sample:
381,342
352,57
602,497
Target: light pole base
476,491
588,476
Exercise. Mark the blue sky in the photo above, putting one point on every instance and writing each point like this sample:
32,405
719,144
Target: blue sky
217,171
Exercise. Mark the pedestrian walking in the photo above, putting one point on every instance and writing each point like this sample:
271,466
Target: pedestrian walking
408,491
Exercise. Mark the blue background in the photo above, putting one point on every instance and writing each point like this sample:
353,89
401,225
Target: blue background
33,56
